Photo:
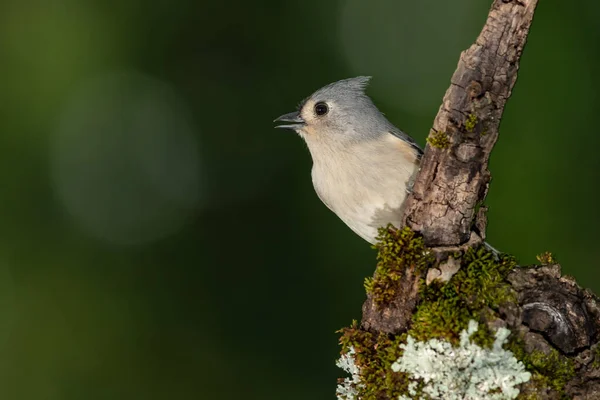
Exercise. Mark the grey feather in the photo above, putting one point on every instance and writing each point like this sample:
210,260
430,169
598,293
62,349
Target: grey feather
401,135
363,166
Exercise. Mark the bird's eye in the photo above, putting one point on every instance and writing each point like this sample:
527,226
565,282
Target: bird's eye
321,108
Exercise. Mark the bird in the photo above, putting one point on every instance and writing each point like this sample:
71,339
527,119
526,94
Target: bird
364,167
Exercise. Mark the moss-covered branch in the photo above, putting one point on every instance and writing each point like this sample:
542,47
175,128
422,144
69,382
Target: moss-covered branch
446,317
551,328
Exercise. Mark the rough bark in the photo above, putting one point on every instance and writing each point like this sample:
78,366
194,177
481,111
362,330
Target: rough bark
554,312
444,207
455,179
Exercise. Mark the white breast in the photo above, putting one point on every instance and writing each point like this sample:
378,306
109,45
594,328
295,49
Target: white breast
366,184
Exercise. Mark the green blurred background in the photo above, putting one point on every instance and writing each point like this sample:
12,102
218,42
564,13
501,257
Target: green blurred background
160,240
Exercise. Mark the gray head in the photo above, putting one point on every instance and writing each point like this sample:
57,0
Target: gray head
340,112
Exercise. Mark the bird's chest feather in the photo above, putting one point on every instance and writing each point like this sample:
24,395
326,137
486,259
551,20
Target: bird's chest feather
365,194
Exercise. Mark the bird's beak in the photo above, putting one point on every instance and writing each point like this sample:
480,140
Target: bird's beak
291,117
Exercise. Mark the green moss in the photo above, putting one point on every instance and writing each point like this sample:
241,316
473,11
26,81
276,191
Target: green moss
546,258
471,122
596,353
398,250
445,309
439,140
551,370
475,292
375,354
478,288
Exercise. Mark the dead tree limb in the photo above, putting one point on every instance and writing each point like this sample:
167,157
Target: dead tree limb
454,179
550,312
454,174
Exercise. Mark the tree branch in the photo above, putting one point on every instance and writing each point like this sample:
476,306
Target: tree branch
454,179
454,175
548,315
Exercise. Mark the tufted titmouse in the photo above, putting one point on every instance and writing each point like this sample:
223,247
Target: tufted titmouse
363,166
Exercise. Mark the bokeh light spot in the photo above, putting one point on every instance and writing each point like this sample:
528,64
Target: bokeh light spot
125,159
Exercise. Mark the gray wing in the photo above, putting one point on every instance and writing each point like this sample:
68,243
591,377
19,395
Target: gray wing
401,135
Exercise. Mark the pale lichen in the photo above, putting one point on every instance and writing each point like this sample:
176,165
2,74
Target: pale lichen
438,370
347,389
